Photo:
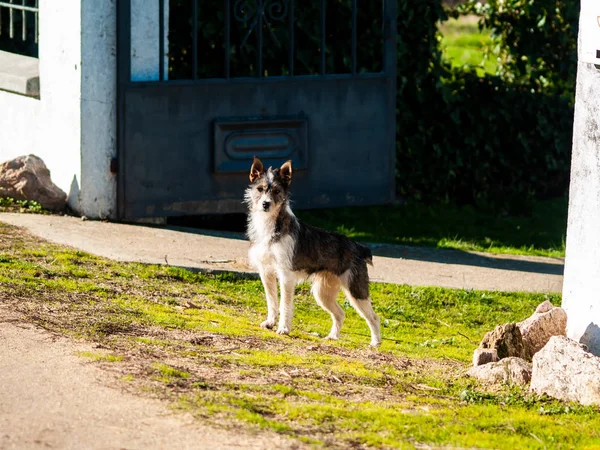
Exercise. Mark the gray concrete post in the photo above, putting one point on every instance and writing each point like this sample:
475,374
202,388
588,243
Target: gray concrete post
581,288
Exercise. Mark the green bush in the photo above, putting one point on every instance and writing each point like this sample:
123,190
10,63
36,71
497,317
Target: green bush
495,141
489,143
537,40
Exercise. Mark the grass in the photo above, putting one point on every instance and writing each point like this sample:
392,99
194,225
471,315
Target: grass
542,233
9,204
194,340
104,357
463,44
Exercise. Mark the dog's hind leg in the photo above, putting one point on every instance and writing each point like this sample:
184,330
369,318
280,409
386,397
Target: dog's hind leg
269,281
325,289
365,309
286,304
356,287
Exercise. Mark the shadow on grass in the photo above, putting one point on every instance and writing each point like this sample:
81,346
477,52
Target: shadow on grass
541,233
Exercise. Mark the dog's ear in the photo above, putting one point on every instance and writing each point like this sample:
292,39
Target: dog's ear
285,172
256,170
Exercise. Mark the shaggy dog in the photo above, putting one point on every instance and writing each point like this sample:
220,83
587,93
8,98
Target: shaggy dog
286,249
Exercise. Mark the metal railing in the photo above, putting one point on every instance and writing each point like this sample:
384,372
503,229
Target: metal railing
13,12
258,18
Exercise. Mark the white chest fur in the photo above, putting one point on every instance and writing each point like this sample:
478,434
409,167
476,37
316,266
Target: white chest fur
265,254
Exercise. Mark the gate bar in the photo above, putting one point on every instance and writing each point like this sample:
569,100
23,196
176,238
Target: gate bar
259,51
227,33
323,37
10,20
123,79
161,39
291,38
354,8
24,23
195,39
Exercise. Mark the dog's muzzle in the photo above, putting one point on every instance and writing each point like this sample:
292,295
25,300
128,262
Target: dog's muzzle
266,206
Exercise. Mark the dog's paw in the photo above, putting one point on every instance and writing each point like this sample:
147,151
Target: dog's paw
332,337
283,330
268,324
375,344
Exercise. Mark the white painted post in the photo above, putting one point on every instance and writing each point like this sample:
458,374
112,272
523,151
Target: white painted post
581,289
97,191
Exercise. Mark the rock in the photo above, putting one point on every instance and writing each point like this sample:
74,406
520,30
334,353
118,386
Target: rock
28,178
563,369
505,340
483,356
543,307
522,339
510,370
547,321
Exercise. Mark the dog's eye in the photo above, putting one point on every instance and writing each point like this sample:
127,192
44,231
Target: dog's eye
260,189
276,191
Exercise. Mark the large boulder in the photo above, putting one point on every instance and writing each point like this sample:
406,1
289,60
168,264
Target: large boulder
509,370
547,321
523,339
28,178
563,369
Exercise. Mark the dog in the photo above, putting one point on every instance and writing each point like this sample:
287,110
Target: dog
285,249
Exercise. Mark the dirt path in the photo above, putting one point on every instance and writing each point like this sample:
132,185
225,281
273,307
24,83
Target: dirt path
52,398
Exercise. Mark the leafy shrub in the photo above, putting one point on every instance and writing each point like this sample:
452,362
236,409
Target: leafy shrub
487,143
537,40
495,141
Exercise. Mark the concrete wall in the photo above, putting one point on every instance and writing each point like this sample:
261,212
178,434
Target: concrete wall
581,288
72,127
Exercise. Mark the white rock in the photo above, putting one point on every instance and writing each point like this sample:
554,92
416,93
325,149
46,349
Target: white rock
509,370
563,369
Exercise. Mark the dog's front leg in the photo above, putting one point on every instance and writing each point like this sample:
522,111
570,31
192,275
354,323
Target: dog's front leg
286,305
269,281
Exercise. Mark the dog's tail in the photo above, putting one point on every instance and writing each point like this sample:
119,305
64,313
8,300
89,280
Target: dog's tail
365,253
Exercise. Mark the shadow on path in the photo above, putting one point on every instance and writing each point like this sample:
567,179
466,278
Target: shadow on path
515,263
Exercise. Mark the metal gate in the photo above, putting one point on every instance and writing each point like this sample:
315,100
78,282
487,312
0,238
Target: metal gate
260,84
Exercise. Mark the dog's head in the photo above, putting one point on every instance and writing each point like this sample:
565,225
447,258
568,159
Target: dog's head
269,189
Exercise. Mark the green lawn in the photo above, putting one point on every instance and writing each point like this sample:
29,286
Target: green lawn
463,44
194,341
542,233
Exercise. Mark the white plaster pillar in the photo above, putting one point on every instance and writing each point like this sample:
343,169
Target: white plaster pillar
98,186
581,289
